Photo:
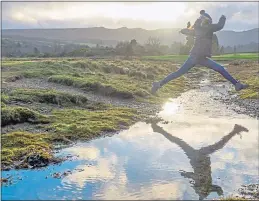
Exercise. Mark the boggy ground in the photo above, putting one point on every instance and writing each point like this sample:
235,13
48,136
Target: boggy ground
48,103
245,101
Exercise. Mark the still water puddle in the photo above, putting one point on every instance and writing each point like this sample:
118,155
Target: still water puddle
191,156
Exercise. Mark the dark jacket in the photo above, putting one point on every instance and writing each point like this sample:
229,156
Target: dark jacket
203,37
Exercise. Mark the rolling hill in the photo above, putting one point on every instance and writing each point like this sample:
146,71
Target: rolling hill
110,37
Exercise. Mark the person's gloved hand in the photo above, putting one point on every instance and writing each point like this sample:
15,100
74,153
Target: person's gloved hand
188,25
223,16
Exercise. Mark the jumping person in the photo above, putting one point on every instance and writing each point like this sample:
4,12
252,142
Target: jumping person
200,53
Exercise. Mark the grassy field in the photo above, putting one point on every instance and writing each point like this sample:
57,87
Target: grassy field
39,119
118,78
225,57
55,117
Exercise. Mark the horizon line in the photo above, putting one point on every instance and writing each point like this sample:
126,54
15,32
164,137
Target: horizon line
112,28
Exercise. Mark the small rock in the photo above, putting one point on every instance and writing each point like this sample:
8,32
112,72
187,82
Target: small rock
4,180
37,161
56,175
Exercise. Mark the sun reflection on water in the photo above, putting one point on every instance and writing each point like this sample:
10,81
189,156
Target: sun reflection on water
170,108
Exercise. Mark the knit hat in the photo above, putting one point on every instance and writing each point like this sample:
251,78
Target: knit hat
203,13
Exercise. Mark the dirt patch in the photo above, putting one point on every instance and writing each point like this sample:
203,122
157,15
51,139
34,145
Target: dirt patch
225,95
28,127
14,78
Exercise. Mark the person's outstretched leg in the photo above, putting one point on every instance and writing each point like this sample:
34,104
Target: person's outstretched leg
188,64
220,69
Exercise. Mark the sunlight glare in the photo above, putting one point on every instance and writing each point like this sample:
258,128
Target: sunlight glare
155,11
170,108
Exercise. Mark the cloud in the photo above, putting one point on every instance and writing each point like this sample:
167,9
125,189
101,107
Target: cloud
241,15
103,171
85,153
147,15
153,191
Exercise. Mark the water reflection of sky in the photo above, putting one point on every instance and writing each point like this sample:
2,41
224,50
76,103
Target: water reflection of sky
142,164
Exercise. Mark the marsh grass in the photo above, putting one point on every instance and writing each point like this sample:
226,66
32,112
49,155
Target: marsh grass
117,78
64,126
80,119
13,115
48,96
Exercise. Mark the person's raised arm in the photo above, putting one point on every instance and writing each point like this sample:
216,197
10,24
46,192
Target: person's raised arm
186,147
219,25
186,31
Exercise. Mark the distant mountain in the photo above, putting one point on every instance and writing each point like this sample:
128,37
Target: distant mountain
110,37
232,38
96,35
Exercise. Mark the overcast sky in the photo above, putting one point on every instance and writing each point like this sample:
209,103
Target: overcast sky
147,15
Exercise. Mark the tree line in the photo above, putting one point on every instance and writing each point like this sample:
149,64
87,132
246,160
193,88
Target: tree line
126,49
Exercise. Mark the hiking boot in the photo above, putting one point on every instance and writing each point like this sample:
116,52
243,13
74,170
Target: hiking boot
239,86
155,87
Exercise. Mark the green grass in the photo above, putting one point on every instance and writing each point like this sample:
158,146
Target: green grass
64,126
176,58
67,125
86,125
118,78
233,198
252,91
45,96
13,115
225,57
86,121
19,146
97,84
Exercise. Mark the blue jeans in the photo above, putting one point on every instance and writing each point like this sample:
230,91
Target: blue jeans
191,62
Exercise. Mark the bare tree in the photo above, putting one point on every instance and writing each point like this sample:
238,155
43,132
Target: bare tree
153,42
235,50
222,50
215,45
153,45
36,51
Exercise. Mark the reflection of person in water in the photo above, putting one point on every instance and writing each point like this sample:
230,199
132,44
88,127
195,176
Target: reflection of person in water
200,160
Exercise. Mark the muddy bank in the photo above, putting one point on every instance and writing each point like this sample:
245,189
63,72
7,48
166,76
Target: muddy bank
224,94
243,106
34,83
